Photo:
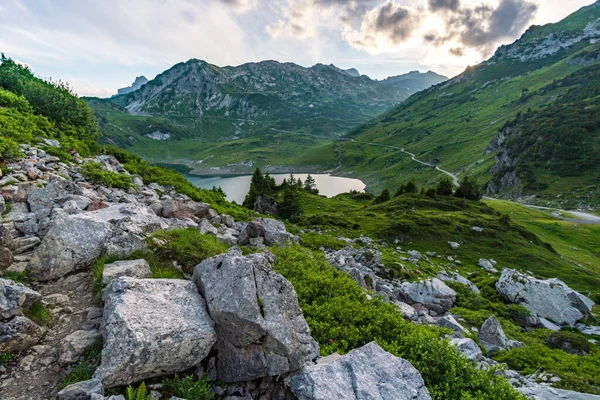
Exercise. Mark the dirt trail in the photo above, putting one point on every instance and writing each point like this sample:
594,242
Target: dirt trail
36,374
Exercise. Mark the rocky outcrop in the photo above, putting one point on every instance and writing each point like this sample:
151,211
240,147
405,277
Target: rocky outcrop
131,268
260,328
468,347
74,241
449,276
367,373
434,294
493,338
551,298
152,327
86,390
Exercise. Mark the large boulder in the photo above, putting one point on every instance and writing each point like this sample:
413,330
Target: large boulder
260,328
14,297
55,193
18,334
181,210
74,241
152,327
551,298
449,276
493,338
434,294
132,268
367,373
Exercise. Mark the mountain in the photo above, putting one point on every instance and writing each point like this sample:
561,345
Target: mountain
197,102
354,72
138,83
524,122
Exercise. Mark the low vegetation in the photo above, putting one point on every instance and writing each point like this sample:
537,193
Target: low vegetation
96,173
86,367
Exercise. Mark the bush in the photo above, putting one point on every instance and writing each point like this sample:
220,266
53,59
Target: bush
188,388
187,247
96,173
383,197
39,314
315,241
341,319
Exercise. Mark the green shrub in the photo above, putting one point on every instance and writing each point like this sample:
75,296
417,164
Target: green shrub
5,358
187,247
96,173
188,387
341,319
315,241
39,314
19,277
569,342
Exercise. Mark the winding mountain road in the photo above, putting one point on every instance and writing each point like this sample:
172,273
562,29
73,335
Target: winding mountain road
584,217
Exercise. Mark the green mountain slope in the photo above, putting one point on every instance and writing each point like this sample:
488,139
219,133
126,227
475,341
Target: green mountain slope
235,111
458,125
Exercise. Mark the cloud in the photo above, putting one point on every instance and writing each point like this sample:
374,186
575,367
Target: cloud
241,5
383,27
437,5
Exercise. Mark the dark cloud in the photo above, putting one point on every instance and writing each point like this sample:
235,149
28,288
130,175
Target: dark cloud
437,5
457,51
395,21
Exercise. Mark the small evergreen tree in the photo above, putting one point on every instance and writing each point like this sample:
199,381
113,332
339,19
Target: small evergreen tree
469,189
310,185
290,206
383,197
444,187
258,186
411,187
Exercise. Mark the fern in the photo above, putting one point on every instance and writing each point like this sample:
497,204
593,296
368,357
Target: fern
139,394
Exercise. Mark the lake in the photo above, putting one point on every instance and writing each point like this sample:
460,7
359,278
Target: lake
236,187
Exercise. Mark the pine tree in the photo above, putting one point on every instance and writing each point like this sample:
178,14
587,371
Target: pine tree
309,183
290,207
444,187
257,187
469,189
383,197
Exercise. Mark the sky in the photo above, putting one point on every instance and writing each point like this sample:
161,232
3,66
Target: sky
98,46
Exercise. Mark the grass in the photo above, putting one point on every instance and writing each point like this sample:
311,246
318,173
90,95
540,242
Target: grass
5,358
19,277
39,314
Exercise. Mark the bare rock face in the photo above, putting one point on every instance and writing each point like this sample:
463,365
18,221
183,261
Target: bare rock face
432,293
260,328
152,327
366,373
14,297
18,334
551,298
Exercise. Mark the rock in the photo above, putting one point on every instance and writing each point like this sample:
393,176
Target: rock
589,330
545,324
57,299
265,205
82,390
227,220
407,311
74,345
7,246
152,327
367,373
454,245
414,255
456,277
449,322
551,299
432,293
14,297
260,328
477,229
54,194
132,268
275,232
468,347
253,234
74,241
18,334
493,338
543,392
207,228
487,265
181,209
2,202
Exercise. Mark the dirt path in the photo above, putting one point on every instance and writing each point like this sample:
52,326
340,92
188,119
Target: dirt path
584,218
36,374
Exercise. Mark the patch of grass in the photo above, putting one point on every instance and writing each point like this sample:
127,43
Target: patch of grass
187,247
188,387
39,314
96,173
315,241
19,277
85,369
5,358
7,207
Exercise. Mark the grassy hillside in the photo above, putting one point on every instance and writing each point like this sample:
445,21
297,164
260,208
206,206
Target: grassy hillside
453,124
